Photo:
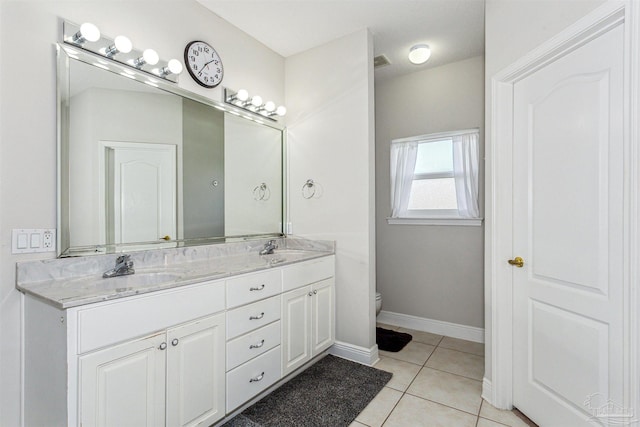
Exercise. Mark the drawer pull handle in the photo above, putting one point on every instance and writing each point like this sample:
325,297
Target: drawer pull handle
252,346
174,342
315,292
257,317
257,288
256,379
163,346
310,294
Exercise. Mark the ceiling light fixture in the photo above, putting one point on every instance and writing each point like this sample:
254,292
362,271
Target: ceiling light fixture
419,54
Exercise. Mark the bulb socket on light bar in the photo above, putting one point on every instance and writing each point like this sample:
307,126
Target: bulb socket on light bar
121,44
88,33
253,104
173,67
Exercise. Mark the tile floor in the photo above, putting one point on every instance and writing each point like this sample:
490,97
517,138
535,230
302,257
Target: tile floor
437,381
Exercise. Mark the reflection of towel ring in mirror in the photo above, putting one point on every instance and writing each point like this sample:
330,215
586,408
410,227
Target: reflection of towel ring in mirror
309,189
261,192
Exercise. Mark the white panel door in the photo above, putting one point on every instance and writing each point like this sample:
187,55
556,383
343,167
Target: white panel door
296,315
196,372
142,198
569,228
322,322
124,385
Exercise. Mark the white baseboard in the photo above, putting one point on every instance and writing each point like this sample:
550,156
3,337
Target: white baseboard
453,330
487,390
366,356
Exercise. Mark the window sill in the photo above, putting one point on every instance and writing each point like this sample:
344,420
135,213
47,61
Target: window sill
468,222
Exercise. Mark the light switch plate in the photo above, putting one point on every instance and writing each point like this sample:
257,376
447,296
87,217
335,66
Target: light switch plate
30,240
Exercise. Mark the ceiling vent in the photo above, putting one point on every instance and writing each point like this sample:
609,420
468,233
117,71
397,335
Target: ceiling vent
380,61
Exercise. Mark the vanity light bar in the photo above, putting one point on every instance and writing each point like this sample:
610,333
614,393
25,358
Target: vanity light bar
253,104
120,50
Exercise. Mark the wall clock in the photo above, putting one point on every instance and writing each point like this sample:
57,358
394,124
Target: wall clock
204,64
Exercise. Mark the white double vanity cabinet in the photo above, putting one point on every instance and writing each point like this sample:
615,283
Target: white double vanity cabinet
185,353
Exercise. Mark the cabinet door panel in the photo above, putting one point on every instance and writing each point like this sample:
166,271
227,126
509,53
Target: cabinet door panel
296,315
322,323
124,385
196,372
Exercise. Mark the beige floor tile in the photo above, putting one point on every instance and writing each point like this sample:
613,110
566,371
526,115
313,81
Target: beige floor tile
385,326
423,337
413,411
449,389
357,424
403,372
380,407
413,352
463,345
483,422
504,417
456,362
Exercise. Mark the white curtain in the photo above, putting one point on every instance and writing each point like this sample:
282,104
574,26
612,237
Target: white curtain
465,172
403,164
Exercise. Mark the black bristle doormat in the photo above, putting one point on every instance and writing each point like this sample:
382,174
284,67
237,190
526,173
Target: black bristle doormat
391,340
330,393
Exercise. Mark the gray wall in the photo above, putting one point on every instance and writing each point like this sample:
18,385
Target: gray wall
203,156
432,272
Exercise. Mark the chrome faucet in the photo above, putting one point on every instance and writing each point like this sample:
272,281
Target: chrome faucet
124,267
269,247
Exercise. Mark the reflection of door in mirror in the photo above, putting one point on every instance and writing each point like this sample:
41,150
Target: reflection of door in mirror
139,191
118,113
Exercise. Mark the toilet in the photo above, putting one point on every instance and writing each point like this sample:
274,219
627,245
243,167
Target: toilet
378,302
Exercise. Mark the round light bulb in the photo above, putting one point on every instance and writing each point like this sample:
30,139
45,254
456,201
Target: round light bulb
123,44
242,95
281,110
89,32
270,106
174,66
256,101
150,56
419,54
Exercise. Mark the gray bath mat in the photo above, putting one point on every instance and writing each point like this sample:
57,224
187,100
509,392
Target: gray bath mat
330,393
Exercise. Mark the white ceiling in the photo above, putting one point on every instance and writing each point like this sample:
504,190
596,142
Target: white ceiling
454,29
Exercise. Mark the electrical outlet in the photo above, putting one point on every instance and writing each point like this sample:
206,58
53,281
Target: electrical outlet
30,240
48,238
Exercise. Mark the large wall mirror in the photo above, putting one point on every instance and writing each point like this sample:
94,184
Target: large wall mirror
144,164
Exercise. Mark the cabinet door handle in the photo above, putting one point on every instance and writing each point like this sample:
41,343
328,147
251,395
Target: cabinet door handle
310,294
315,292
163,346
252,346
257,317
174,342
257,288
256,379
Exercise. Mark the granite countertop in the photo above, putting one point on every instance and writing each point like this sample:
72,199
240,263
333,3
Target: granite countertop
71,282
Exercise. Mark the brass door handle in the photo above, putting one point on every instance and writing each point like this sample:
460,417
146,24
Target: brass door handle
165,238
517,261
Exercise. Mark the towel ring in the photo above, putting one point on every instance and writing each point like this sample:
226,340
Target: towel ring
309,189
261,192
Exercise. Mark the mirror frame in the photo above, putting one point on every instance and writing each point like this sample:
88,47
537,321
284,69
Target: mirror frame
65,54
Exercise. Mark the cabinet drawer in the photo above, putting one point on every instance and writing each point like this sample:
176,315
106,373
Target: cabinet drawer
249,317
308,272
248,380
253,344
136,316
253,287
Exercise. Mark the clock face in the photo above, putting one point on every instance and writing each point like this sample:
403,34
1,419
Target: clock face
204,64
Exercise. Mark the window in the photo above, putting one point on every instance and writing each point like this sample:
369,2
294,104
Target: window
434,179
